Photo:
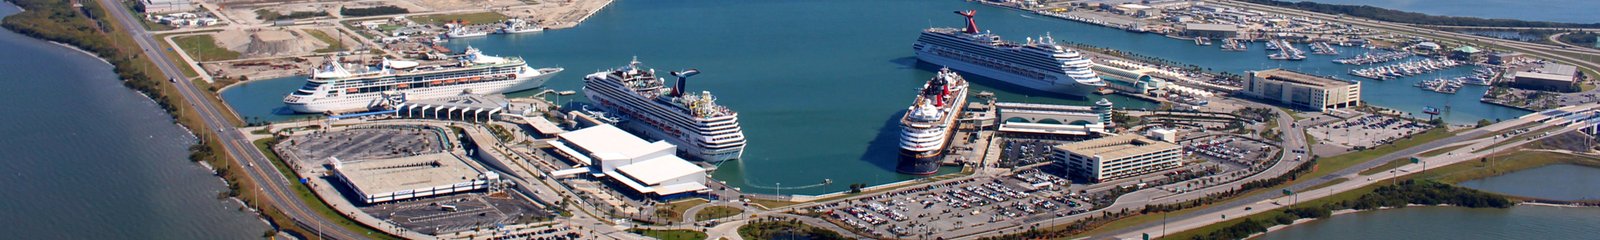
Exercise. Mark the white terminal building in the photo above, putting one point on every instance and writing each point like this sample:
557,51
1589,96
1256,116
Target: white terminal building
383,180
648,168
1116,157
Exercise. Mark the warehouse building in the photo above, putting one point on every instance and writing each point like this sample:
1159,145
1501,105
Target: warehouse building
1549,77
647,168
166,6
383,180
1303,90
1210,30
1116,157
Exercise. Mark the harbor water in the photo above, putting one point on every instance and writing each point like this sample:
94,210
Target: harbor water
819,85
1420,223
1565,182
86,158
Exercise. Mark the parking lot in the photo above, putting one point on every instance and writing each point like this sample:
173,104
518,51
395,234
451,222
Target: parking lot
1366,131
458,212
1230,150
365,143
911,213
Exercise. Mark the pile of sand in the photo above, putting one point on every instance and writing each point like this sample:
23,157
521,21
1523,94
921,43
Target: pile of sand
269,43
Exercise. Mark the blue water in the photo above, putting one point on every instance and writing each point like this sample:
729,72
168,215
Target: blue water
1419,223
86,158
1565,182
1572,11
818,84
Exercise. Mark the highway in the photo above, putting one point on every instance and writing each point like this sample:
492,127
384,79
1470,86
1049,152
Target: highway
276,186
1270,201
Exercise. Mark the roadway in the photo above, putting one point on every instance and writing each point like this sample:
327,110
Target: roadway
276,187
1269,201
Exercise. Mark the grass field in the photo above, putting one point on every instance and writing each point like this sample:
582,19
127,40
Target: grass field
333,44
674,211
715,212
671,234
470,18
1519,137
204,48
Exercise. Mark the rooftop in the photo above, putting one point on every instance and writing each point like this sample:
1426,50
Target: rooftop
1301,78
659,169
1551,71
609,141
1114,147
1211,27
406,173
465,101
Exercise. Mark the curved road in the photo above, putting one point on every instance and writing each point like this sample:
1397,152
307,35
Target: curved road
276,186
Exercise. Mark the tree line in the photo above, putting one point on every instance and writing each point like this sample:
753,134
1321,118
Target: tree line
1421,192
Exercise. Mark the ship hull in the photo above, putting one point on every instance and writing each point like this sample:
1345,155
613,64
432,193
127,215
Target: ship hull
371,100
631,123
919,162
1068,88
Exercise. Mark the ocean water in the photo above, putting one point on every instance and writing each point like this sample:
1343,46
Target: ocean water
818,84
1421,223
1571,11
86,158
1565,182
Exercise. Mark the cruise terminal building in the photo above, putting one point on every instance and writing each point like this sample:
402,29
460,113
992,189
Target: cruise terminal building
647,168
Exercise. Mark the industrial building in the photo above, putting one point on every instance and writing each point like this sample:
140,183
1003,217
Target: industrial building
166,6
383,180
647,168
1548,77
1210,30
1303,90
1116,157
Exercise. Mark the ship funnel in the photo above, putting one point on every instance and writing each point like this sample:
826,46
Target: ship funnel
972,26
683,78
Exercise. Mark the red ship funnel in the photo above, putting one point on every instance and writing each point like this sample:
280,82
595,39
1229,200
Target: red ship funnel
972,26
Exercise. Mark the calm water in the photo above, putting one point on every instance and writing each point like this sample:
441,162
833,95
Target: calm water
1574,11
1558,182
87,158
1520,222
818,84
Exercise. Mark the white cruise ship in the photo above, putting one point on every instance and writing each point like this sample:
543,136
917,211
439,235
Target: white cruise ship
1037,64
338,86
926,128
700,127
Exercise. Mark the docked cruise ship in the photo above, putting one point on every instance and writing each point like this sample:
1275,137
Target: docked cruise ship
700,127
926,128
1037,64
339,86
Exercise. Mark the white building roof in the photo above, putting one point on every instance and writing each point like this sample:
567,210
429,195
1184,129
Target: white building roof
606,141
660,169
379,176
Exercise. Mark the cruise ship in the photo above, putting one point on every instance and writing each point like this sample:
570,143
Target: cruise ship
1038,64
700,127
339,86
926,128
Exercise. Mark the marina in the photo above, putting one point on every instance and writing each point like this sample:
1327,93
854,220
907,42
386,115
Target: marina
1405,69
1373,57
1443,85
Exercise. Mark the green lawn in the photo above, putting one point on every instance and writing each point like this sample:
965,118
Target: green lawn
715,212
172,55
204,48
671,234
674,211
333,44
470,18
315,203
